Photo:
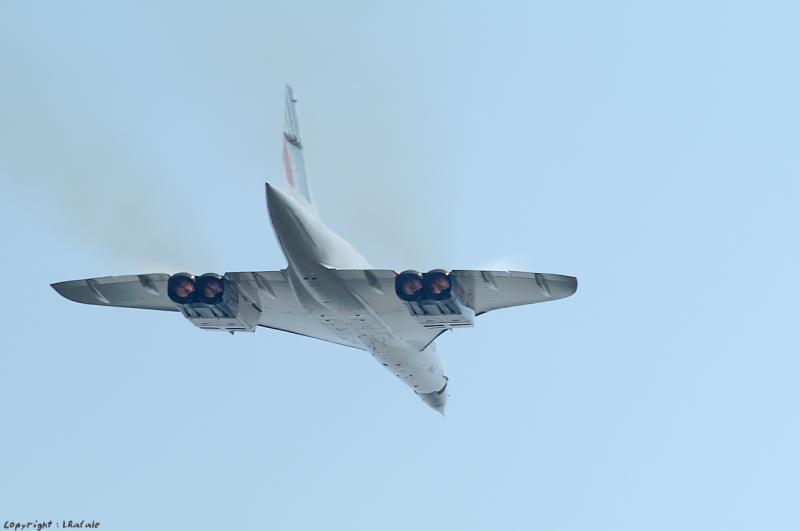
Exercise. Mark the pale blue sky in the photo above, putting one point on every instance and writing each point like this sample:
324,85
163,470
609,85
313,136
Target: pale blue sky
650,149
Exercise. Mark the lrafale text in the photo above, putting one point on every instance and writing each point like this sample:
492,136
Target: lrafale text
63,524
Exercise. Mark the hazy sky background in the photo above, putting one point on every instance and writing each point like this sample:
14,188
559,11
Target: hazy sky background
649,149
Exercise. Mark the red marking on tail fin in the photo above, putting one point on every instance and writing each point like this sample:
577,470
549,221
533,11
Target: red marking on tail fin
287,164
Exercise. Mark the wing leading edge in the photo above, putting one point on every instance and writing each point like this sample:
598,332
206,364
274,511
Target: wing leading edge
147,291
480,291
270,291
483,291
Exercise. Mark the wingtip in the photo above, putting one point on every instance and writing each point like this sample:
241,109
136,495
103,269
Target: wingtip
59,287
67,289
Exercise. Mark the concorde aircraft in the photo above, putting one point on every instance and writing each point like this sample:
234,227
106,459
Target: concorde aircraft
329,291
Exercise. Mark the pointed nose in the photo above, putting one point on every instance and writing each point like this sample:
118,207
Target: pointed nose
436,400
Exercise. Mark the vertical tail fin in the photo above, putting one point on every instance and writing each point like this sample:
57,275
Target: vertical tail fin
293,164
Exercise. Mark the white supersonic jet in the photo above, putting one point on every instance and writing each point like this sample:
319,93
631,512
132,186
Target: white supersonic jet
328,290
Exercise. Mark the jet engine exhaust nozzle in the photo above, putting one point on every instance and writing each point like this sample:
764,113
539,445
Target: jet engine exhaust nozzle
437,285
408,286
210,288
182,288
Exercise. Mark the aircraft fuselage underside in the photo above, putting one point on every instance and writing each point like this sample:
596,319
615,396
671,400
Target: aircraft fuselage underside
313,253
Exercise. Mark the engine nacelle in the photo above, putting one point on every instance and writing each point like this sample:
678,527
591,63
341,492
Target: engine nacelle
210,288
437,285
213,302
408,286
431,299
182,288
